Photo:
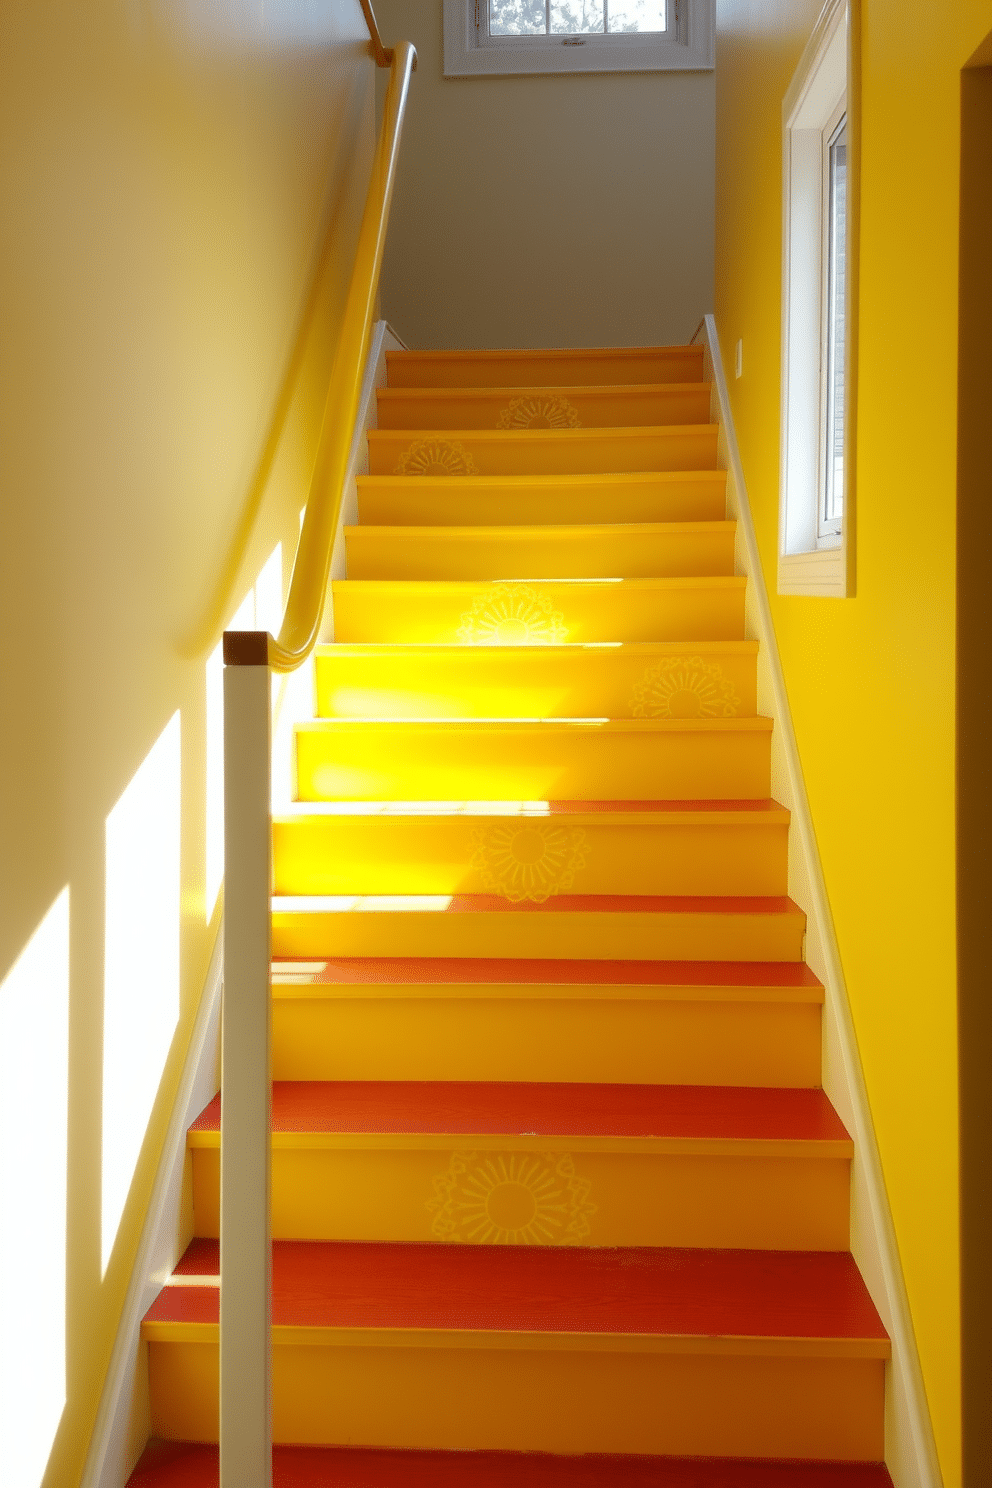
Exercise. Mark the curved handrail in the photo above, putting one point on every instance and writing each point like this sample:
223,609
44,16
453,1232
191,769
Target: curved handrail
308,586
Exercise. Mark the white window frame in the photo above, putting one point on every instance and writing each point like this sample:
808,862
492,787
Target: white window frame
812,561
469,50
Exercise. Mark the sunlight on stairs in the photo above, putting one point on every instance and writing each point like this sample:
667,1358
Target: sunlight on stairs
557,1197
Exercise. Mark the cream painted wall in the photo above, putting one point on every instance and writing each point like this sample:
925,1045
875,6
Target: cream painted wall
871,678
548,211
170,170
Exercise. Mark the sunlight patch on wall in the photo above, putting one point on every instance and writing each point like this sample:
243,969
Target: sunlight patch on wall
141,964
34,1080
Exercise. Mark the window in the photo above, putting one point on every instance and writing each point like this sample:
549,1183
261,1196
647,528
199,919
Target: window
512,36
816,319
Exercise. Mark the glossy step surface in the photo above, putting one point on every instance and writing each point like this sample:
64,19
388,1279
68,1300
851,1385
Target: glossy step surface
709,1023
594,366
445,452
195,1465
549,500
575,759
544,407
472,612
531,850
546,1164
661,679
543,1348
599,927
628,551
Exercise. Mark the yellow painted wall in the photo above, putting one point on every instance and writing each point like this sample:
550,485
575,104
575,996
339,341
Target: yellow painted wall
871,678
548,211
169,172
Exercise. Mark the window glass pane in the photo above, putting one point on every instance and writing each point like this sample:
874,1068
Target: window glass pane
637,15
836,284
573,17
517,18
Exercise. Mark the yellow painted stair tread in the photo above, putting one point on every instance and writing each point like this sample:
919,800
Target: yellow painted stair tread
534,408
578,610
478,979
586,926
653,496
399,1162
527,854
627,550
534,759
463,1031
544,368
538,677
441,452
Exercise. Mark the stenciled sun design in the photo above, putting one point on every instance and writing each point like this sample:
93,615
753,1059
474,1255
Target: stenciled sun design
515,1198
436,457
526,860
512,615
539,413
684,687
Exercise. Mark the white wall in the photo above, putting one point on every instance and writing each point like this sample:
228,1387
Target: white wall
548,211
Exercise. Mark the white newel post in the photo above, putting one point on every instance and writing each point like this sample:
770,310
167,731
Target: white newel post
246,1100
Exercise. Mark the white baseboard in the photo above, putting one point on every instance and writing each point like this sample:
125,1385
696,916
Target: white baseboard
910,1450
122,1421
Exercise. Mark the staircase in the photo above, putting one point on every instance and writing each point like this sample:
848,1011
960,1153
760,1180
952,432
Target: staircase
557,1197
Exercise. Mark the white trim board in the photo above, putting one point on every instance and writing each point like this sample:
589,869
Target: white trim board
820,87
122,1420
910,1450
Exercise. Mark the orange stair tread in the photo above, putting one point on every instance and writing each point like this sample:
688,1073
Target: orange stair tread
744,1294
194,1465
440,971
515,1108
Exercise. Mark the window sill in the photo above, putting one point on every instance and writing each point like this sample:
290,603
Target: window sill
823,572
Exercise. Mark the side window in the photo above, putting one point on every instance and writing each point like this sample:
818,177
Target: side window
544,36
816,320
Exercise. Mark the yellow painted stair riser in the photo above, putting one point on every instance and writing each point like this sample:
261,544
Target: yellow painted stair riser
663,680
537,452
544,408
598,1198
530,857
662,1042
712,760
474,369
548,500
638,550
370,927
581,611
568,1399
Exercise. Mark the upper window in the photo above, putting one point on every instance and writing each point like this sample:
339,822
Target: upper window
816,443
507,36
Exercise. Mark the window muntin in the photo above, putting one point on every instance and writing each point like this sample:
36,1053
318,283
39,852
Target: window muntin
547,36
507,18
